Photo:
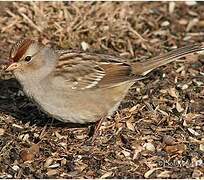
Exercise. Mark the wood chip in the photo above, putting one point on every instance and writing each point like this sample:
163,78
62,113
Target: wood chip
52,172
164,174
107,174
190,3
178,107
191,24
169,140
2,131
130,125
176,149
35,148
150,172
185,86
15,167
172,6
54,165
201,147
27,155
192,131
150,117
59,136
126,153
149,147
172,92
48,162
84,45
17,126
165,23
197,173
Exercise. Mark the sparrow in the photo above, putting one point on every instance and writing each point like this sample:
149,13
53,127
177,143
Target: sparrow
77,86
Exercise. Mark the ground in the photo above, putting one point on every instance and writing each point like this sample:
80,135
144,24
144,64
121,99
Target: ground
158,130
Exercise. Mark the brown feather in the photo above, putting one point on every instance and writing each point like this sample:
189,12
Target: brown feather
115,74
90,70
145,67
19,49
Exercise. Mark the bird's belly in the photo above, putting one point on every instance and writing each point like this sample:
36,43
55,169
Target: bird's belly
80,107
68,110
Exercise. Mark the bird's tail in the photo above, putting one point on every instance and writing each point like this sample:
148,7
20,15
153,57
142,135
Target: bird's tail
142,68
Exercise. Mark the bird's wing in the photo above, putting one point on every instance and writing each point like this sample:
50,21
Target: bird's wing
85,70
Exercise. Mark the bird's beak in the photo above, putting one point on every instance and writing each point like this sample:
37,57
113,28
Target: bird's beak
12,67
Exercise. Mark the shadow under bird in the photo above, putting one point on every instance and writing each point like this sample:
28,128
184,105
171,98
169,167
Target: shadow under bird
76,86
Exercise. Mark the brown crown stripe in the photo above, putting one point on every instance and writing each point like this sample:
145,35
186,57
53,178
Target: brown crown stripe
22,48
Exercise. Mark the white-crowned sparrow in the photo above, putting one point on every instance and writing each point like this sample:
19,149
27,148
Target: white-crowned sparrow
80,87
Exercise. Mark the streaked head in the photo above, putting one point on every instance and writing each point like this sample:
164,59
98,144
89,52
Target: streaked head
29,59
22,54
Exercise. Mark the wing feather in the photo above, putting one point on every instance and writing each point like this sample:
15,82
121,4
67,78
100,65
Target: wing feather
86,70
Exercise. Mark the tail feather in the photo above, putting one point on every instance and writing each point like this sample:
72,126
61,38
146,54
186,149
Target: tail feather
144,68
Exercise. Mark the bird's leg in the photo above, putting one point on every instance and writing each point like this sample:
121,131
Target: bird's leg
96,129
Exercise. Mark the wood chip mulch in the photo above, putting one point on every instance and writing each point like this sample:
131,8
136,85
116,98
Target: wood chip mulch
158,131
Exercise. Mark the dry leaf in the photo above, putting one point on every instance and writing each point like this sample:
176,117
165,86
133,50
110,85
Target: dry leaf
163,91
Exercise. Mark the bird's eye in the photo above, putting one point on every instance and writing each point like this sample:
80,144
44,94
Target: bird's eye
27,58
